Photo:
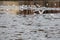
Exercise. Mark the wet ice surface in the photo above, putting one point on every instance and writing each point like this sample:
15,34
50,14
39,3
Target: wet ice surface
30,27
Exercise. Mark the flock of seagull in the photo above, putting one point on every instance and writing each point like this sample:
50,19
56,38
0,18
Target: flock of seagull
28,7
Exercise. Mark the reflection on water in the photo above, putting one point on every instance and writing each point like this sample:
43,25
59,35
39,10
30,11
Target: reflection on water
29,27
